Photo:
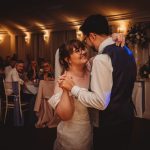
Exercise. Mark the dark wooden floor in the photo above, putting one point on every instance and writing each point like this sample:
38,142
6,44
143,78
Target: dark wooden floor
141,135
43,139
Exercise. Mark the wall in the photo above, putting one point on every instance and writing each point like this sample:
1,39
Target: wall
5,45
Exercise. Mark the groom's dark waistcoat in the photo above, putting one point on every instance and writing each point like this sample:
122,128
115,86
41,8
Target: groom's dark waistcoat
120,108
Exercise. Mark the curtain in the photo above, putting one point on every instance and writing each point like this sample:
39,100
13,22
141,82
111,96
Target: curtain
20,47
56,39
37,46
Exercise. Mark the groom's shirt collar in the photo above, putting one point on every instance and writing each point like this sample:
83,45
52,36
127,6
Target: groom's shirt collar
105,43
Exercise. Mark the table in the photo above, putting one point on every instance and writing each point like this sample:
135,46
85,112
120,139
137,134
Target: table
141,98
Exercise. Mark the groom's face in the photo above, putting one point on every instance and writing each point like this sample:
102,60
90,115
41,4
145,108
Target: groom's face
89,41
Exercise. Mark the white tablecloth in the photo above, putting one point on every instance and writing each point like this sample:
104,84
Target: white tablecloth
141,99
146,113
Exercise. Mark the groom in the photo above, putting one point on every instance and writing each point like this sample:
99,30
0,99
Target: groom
112,80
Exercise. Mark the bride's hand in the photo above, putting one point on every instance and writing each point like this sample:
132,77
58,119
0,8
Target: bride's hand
66,83
60,80
119,39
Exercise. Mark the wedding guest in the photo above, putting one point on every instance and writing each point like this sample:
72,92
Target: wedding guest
15,75
10,66
27,62
33,69
48,73
29,95
7,61
44,112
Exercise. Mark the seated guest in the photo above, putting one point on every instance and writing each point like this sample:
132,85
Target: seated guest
10,66
7,61
27,62
14,83
29,94
47,74
15,75
33,69
44,112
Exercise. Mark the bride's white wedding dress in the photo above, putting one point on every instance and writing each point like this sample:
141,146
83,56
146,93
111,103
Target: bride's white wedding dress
75,134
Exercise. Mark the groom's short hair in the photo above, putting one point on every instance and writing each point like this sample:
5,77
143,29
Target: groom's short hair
95,23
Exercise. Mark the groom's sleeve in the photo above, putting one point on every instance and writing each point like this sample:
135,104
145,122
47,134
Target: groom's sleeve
100,85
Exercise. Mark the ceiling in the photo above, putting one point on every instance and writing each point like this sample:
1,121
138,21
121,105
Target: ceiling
28,15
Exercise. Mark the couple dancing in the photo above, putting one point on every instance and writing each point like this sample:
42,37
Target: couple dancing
104,86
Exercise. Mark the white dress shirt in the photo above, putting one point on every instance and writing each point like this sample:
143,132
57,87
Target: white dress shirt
12,76
7,70
30,88
101,81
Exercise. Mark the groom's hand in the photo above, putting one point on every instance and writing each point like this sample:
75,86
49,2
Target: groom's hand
119,39
67,83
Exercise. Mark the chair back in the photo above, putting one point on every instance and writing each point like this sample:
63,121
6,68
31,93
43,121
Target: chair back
13,89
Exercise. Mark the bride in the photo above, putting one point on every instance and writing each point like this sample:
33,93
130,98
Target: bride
74,132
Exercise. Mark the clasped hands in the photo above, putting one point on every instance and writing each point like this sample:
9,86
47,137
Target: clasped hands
65,82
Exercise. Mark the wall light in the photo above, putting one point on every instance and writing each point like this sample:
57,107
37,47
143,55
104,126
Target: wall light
79,35
121,29
26,39
46,35
1,39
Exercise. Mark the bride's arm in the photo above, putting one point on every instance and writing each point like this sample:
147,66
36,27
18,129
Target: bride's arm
62,103
65,108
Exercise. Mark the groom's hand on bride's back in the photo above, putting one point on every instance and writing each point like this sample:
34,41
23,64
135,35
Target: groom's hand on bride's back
119,39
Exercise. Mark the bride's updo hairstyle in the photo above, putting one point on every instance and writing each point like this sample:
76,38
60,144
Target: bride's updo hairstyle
66,49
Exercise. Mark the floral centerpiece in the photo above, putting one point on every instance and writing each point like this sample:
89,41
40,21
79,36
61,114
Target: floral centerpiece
137,35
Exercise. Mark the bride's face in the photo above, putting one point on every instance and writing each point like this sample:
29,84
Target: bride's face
79,57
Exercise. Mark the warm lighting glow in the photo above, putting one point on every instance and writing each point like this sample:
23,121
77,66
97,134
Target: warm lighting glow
46,32
1,39
40,25
79,35
27,37
46,35
120,29
20,27
120,26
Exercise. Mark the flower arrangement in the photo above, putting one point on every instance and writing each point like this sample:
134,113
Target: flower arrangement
137,35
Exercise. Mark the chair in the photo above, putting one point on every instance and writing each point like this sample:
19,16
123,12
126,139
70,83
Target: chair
13,100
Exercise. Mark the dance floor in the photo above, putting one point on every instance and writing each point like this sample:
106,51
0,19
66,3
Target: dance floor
29,138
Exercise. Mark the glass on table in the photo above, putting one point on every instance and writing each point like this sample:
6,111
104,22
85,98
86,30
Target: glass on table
36,82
